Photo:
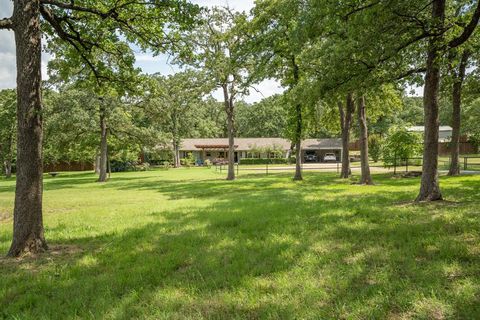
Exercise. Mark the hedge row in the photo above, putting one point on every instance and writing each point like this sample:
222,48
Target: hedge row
265,161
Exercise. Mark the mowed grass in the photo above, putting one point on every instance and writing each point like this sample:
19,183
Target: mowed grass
186,244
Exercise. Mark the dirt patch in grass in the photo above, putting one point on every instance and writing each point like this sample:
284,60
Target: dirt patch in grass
53,252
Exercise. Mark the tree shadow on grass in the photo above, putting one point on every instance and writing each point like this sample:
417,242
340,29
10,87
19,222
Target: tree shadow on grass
261,250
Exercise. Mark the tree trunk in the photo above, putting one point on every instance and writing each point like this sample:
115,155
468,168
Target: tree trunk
430,188
345,124
8,168
362,123
103,145
456,115
28,233
298,144
298,126
8,160
229,108
176,155
97,164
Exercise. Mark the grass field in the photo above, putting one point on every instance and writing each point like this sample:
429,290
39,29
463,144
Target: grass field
185,244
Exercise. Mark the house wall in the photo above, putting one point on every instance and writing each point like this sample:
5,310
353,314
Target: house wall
201,156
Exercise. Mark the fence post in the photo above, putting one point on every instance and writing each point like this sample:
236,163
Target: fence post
338,167
465,165
238,165
406,165
266,168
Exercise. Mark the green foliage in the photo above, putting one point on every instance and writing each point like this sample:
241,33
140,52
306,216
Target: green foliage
264,161
267,118
175,108
375,146
8,126
166,165
91,40
188,161
401,144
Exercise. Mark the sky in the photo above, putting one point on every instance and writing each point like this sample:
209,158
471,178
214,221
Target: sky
147,62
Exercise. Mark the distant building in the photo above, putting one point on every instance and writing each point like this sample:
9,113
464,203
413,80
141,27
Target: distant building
217,148
444,134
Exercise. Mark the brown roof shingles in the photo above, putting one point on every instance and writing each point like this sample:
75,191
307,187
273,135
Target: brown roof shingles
246,144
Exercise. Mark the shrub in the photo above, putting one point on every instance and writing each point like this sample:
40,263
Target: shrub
400,145
264,161
122,166
188,161
207,163
143,167
375,145
166,165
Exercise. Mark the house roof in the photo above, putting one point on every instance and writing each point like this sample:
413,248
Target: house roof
316,144
422,128
246,144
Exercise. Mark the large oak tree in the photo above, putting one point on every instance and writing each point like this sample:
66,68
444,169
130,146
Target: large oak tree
81,26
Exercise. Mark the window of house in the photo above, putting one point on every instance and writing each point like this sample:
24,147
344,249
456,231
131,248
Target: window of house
208,154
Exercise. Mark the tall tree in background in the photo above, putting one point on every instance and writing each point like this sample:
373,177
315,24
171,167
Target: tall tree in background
458,76
8,106
216,48
279,38
82,26
175,103
365,178
346,120
266,118
430,187
358,46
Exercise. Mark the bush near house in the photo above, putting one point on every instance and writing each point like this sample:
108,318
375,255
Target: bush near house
401,145
189,161
264,161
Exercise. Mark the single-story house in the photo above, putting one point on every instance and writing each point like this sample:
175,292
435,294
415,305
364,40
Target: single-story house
444,132
217,148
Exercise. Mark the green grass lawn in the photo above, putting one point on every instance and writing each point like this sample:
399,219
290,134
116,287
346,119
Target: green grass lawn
185,244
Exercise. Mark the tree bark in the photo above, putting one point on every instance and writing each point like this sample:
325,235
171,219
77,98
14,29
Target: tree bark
8,168
458,78
97,164
229,109
298,144
298,126
176,155
28,232
102,177
430,188
8,160
366,178
345,124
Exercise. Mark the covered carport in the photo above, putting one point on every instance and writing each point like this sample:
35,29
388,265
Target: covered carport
320,147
